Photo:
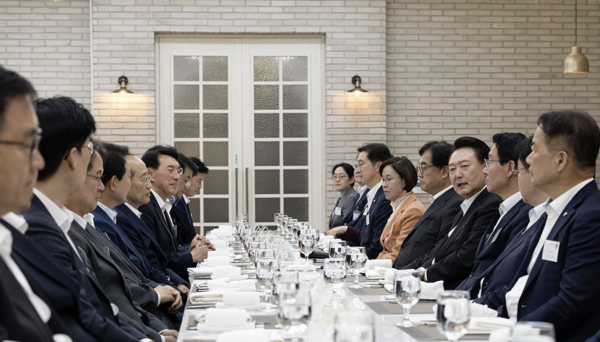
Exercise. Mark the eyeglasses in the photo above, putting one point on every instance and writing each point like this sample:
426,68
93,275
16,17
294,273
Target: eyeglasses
488,162
188,184
360,166
518,173
422,168
387,181
32,147
145,179
90,146
99,179
340,177
173,170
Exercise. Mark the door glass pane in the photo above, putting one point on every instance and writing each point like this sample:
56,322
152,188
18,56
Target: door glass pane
216,153
296,208
295,125
266,182
295,68
295,96
189,148
187,125
295,153
266,97
216,210
195,209
186,68
266,153
215,126
216,182
266,125
186,96
295,181
214,68
266,208
266,69
215,97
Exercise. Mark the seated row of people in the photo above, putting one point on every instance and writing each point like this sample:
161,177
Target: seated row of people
100,249
516,225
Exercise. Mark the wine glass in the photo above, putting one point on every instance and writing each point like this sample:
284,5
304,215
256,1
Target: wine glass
532,332
353,326
265,268
307,242
294,312
407,290
337,249
453,314
284,281
334,274
356,258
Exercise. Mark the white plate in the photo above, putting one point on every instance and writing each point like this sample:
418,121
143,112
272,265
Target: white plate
204,328
252,307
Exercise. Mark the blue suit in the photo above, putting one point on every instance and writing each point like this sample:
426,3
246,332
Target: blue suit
564,293
182,218
144,240
494,242
179,259
70,286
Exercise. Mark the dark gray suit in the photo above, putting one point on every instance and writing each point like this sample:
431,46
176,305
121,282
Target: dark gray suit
431,228
346,203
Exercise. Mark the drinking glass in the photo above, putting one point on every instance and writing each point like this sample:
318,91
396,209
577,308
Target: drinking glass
532,332
407,290
265,268
334,274
353,326
294,312
453,314
337,249
284,281
356,258
264,254
307,242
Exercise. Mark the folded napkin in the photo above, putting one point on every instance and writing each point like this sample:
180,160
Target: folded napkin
206,297
386,263
485,325
226,271
388,287
500,335
242,300
478,310
200,271
431,290
254,335
222,253
221,320
225,283
390,274
217,261
377,273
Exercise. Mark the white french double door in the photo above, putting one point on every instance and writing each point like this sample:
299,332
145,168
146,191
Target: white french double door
252,110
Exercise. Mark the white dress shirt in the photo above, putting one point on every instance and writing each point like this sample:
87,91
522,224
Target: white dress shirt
112,214
134,210
432,198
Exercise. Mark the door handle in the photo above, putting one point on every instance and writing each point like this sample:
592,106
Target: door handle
247,196
237,212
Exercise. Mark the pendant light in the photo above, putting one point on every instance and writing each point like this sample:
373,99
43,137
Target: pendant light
576,62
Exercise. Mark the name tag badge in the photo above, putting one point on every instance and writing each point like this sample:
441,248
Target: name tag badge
367,220
355,215
550,251
337,211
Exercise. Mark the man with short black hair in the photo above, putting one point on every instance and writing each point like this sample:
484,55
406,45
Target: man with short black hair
369,225
452,258
556,283
435,223
182,219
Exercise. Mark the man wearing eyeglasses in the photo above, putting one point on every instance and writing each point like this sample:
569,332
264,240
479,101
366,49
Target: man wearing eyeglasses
435,223
165,172
183,220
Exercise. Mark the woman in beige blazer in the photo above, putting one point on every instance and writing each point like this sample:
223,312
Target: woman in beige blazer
399,177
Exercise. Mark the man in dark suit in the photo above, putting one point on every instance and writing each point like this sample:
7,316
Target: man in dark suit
67,149
501,178
180,213
124,284
190,190
435,223
366,229
452,258
165,172
24,312
557,284
490,286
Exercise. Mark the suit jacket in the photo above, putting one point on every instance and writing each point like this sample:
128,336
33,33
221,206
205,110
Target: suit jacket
144,240
494,242
431,228
18,319
114,283
399,226
182,219
454,256
178,260
346,203
564,292
358,204
96,312
500,277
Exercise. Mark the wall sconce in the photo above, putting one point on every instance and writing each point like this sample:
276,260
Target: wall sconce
576,62
357,90
123,86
